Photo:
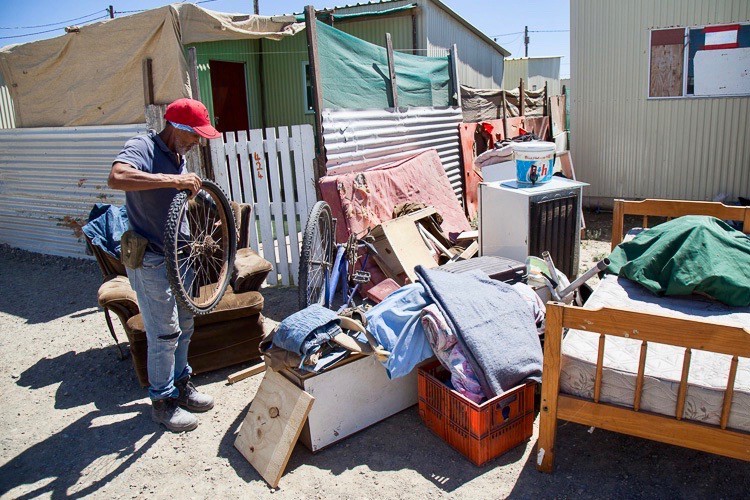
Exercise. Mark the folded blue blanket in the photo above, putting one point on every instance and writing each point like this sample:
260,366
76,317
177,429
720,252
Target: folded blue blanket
493,324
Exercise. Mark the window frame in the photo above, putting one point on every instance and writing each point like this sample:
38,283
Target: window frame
685,62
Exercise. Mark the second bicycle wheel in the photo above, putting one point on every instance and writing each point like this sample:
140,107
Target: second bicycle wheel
316,258
200,243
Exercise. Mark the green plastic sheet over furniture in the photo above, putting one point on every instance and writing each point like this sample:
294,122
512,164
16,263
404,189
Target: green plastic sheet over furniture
354,74
691,254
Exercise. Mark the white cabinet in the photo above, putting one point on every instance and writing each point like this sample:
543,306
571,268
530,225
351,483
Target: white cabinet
516,222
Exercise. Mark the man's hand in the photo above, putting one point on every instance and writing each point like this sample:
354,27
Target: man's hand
189,181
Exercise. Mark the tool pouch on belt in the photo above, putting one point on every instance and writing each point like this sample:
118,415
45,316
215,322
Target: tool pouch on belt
132,248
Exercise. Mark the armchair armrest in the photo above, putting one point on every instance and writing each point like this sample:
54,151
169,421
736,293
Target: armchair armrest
250,271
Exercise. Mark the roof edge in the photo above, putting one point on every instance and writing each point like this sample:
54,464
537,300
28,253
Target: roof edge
471,27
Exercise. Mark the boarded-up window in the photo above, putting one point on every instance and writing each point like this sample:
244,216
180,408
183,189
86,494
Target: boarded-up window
667,63
708,61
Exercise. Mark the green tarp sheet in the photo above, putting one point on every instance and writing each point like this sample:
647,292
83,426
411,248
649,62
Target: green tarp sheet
354,74
691,254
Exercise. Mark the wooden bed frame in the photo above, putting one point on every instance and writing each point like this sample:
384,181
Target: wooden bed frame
706,336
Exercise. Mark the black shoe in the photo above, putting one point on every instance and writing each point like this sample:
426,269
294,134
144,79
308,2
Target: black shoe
190,398
167,412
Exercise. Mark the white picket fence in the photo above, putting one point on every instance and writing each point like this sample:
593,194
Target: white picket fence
275,174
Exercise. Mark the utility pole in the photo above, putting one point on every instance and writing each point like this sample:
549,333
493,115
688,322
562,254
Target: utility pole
526,41
256,7
111,12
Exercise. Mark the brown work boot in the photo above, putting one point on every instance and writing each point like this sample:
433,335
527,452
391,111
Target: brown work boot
167,412
189,397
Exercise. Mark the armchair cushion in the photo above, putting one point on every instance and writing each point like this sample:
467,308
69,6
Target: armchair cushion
117,292
250,270
231,307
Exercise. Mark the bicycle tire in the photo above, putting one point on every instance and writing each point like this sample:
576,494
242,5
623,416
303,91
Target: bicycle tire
199,268
316,257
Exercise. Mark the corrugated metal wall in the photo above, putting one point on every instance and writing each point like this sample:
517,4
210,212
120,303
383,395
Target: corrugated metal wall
50,179
7,115
480,65
364,138
241,51
535,71
628,146
283,66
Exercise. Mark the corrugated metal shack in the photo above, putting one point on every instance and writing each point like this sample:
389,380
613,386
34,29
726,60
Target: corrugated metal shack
277,85
639,133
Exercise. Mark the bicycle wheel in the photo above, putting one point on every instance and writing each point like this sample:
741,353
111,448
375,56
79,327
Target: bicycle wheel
317,254
200,243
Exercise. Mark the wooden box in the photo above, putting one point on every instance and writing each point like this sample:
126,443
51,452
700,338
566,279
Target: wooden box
350,397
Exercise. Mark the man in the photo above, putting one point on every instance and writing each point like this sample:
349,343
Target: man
151,170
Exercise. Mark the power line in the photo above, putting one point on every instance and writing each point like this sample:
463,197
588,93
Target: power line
52,24
49,31
548,31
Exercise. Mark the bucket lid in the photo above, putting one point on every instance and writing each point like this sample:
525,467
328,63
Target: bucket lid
533,146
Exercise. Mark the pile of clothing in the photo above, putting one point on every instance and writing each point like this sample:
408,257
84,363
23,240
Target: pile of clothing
482,330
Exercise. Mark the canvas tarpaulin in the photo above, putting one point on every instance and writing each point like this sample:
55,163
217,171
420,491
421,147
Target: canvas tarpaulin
487,104
354,74
95,76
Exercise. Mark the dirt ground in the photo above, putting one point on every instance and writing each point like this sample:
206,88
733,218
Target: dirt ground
74,422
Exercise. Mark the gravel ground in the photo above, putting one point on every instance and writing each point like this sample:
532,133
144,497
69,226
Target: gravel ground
75,423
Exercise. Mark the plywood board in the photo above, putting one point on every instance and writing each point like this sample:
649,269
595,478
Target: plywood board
272,425
665,76
401,248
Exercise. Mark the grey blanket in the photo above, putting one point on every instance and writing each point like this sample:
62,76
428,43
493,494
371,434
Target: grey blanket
492,322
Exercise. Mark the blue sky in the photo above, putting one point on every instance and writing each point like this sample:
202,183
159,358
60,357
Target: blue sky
501,19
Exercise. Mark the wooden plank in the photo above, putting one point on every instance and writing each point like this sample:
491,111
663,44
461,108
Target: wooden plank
302,207
272,425
233,170
219,163
277,209
392,89
666,70
505,114
618,221
472,176
246,373
312,56
729,393
599,369
401,249
308,162
639,378
259,173
660,428
678,208
289,205
247,193
557,114
682,393
148,81
521,99
192,60
704,335
545,452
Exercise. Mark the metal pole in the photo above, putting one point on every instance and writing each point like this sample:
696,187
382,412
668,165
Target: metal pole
111,12
256,7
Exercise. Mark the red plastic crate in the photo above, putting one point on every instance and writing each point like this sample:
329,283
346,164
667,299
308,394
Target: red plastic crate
479,432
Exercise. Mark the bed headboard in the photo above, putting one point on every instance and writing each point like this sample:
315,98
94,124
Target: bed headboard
674,208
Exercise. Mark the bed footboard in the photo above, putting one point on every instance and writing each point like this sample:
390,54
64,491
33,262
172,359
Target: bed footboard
706,336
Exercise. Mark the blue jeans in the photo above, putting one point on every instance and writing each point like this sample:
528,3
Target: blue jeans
168,326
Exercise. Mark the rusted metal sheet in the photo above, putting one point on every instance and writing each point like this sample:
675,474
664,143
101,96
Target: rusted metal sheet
359,139
50,178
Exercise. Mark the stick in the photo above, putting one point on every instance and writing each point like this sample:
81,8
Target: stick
246,373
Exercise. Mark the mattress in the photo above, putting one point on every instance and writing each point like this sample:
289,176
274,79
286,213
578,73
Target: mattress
708,374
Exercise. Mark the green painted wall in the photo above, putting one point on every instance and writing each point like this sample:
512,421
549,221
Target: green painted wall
242,51
283,67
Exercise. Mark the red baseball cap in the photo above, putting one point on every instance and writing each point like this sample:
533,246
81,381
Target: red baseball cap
193,114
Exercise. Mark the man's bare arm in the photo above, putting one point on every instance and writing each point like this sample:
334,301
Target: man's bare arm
127,178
